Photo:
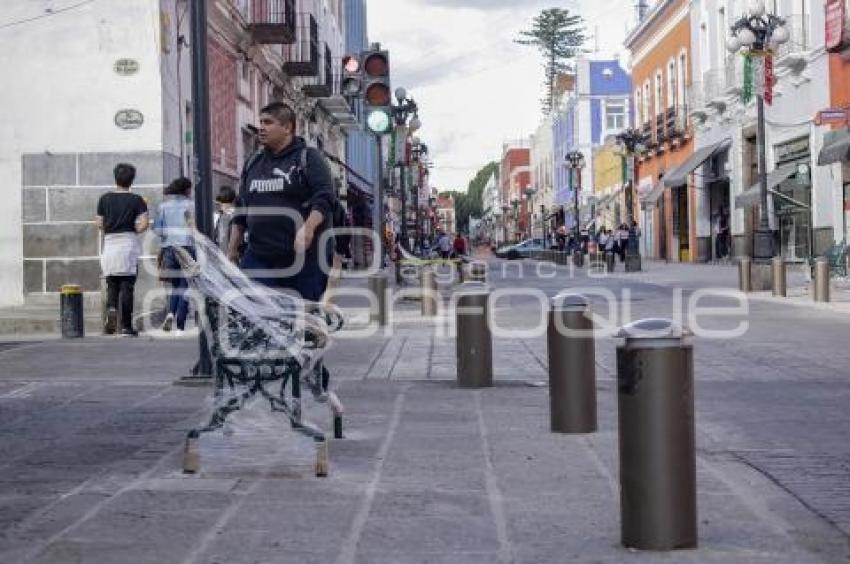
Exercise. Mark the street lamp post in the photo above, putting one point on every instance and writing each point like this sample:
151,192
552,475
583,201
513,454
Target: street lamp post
402,112
633,142
530,192
758,33
515,205
575,162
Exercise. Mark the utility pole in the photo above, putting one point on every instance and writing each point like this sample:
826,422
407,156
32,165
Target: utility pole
203,159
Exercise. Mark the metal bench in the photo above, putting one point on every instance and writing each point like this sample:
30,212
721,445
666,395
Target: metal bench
261,343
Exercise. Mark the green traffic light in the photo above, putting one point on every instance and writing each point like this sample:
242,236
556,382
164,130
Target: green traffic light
378,121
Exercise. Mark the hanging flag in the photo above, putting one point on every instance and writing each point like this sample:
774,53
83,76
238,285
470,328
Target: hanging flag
747,92
769,78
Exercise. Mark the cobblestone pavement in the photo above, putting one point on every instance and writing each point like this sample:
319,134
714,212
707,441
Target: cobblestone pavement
91,434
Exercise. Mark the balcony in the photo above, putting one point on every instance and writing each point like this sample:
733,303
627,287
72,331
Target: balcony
326,82
302,56
270,21
660,130
648,134
793,54
677,124
713,83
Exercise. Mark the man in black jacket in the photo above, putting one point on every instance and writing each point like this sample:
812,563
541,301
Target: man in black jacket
285,205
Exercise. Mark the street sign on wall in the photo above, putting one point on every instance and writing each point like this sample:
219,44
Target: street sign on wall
832,116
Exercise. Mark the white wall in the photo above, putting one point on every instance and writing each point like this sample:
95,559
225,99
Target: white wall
62,96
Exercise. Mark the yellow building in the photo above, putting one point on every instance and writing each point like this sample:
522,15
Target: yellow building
608,178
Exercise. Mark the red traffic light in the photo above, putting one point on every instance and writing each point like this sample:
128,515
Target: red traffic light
378,94
376,64
351,64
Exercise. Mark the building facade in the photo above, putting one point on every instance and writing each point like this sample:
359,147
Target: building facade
130,89
808,215
515,179
837,141
660,47
598,107
542,159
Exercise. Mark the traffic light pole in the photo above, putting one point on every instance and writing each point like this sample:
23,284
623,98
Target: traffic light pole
378,212
203,157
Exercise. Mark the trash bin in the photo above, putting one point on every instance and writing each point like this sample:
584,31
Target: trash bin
473,341
71,312
656,425
572,365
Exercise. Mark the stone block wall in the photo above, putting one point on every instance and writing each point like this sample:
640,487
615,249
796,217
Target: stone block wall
60,192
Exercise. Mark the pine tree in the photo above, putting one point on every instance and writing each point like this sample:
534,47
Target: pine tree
559,37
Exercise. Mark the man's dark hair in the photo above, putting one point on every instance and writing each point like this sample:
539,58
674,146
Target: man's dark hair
125,174
281,112
179,186
226,195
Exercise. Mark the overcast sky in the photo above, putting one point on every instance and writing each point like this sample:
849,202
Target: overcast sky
474,86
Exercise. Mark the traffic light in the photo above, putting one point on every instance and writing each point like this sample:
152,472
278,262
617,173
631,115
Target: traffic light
352,76
376,90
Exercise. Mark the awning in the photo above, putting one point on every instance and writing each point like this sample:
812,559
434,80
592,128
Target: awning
679,175
836,147
752,196
651,198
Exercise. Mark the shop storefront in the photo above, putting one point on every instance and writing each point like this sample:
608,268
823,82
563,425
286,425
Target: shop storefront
792,202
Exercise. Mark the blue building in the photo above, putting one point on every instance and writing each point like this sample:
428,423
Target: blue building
361,152
597,105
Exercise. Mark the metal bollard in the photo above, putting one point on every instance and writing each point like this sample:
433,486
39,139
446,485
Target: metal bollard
429,293
655,374
745,274
478,272
474,343
572,366
821,280
780,286
578,258
610,262
378,288
71,312
459,271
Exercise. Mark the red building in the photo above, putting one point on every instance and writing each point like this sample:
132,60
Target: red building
515,175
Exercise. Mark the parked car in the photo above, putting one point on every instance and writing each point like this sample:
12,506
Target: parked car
520,250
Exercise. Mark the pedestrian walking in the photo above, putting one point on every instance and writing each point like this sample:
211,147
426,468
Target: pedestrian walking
121,217
226,204
174,224
285,206
622,241
445,246
459,245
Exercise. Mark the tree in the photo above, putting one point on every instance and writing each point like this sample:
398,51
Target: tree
468,204
559,37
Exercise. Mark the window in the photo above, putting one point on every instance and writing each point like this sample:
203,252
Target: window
682,74
638,106
646,102
615,115
672,89
659,92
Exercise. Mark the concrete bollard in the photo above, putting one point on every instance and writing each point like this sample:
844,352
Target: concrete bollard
578,259
478,272
610,262
378,288
655,377
474,342
429,293
745,274
71,312
780,286
820,284
572,366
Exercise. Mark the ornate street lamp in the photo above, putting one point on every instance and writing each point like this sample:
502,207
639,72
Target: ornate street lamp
575,162
633,142
757,34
